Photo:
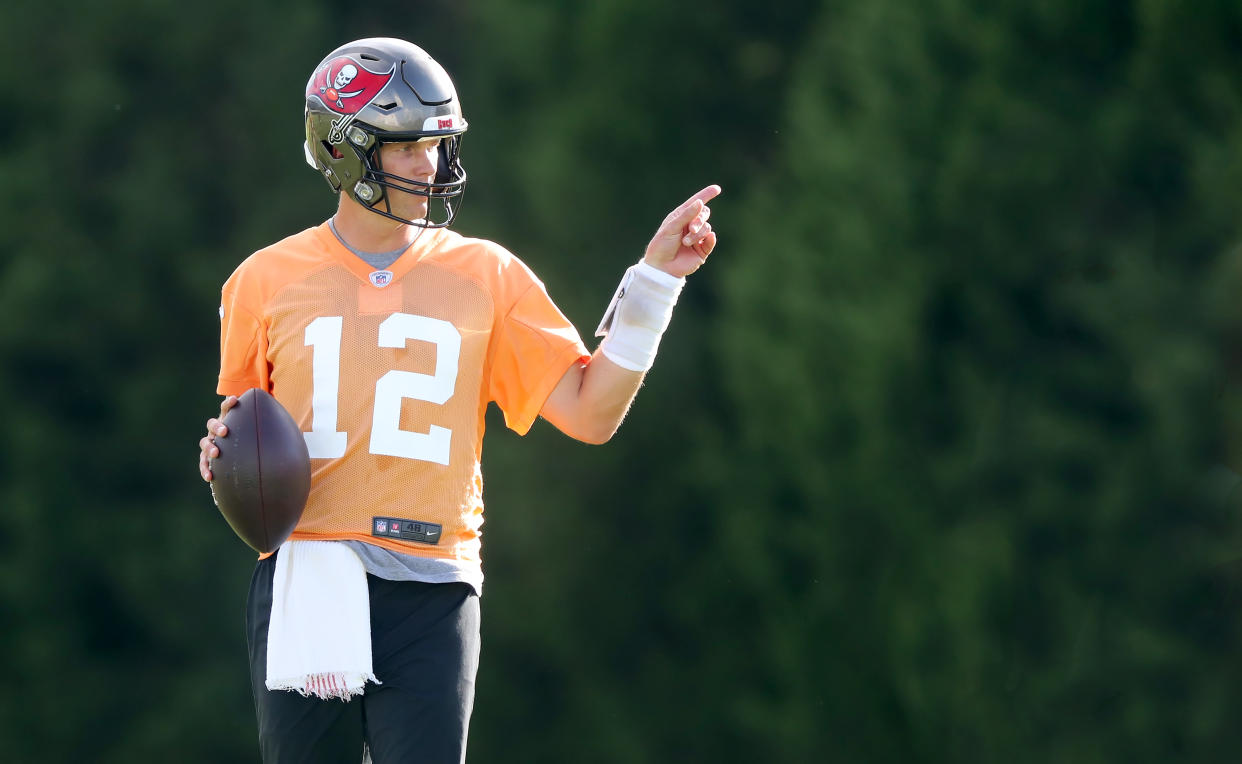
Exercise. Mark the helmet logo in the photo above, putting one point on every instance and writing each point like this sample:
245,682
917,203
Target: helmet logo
346,87
344,77
444,122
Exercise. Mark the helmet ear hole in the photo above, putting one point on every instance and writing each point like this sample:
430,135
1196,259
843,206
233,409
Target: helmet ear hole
332,150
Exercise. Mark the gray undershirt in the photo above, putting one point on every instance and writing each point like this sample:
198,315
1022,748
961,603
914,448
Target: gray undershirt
384,563
377,260
394,566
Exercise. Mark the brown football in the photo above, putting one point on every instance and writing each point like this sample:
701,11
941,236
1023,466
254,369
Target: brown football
262,476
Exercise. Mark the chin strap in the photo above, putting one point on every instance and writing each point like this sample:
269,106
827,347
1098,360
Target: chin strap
638,315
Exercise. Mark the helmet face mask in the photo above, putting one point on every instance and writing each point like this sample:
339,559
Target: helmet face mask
376,91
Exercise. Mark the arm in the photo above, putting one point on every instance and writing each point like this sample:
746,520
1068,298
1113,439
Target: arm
591,400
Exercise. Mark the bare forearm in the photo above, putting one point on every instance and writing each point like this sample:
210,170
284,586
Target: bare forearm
590,401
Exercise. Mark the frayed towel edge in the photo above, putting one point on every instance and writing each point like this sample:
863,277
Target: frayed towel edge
332,685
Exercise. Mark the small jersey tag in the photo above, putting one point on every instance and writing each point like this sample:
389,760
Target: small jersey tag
605,323
381,279
405,530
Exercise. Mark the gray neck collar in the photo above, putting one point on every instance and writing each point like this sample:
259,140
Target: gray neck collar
377,260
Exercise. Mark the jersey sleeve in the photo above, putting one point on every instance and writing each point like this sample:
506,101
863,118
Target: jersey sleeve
536,345
243,346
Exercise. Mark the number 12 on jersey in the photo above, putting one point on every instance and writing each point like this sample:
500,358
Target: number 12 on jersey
324,441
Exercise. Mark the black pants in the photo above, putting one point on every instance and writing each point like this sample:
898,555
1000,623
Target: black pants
425,652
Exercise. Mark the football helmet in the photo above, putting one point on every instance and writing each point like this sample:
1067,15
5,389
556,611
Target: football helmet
383,90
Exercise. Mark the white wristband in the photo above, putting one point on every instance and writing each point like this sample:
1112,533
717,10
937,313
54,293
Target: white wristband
638,315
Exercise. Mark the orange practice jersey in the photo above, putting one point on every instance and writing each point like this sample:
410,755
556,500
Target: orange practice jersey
389,374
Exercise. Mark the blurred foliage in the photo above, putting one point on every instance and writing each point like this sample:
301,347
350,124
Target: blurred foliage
937,463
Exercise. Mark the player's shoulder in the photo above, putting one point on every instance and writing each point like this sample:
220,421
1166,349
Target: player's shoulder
452,245
482,259
270,268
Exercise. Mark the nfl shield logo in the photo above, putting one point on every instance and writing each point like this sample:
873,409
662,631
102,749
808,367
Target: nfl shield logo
381,278
381,526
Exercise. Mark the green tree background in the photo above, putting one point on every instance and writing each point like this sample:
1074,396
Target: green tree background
934,464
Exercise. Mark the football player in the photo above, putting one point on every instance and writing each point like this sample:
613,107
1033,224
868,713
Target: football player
386,335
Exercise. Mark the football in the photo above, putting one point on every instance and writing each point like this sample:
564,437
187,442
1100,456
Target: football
261,478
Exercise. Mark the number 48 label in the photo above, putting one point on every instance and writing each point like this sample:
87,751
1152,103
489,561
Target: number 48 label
324,441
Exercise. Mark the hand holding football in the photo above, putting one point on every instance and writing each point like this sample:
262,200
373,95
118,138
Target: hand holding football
261,478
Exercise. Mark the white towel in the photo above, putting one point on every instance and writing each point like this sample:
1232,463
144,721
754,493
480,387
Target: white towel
319,636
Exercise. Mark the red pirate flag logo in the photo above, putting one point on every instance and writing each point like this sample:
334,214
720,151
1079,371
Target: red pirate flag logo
346,87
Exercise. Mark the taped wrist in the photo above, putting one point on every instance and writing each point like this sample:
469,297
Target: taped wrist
638,315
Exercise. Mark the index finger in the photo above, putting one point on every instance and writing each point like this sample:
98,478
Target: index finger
689,208
705,195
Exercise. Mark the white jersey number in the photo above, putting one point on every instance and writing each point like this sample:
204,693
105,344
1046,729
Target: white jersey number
323,335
